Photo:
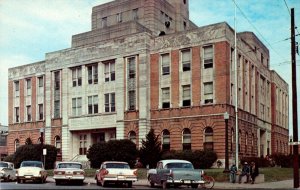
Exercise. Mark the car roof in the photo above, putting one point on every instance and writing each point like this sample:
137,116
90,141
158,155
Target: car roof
174,161
68,163
114,162
32,161
6,162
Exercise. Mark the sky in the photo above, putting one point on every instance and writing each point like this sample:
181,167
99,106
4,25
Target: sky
31,28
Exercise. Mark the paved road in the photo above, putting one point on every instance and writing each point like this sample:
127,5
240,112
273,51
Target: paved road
141,184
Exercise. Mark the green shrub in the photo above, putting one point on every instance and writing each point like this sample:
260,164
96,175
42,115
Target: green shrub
34,152
260,162
285,161
115,150
200,158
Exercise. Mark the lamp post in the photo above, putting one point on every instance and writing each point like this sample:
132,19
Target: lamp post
226,118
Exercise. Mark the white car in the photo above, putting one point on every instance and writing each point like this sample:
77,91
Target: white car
68,171
7,171
31,170
112,172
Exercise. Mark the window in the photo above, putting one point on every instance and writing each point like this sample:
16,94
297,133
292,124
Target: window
184,1
232,139
252,144
119,17
56,80
57,143
41,81
240,140
184,24
165,64
76,76
28,113
131,100
208,92
246,142
165,140
41,111
208,138
56,108
17,144
165,97
131,67
17,88
262,58
92,74
135,14
28,86
186,60
132,136
186,95
92,104
186,139
83,144
76,106
109,70
17,114
104,22
208,57
109,102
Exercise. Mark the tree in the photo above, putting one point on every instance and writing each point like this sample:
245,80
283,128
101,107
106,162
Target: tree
150,153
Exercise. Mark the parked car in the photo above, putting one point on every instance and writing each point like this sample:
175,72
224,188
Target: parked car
31,170
68,172
175,173
112,172
7,171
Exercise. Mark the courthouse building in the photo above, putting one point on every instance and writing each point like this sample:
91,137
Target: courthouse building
145,65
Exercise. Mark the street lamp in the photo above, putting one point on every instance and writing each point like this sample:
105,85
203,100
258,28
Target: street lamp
226,118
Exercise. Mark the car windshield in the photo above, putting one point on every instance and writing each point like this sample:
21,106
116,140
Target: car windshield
69,165
32,164
3,165
117,165
179,165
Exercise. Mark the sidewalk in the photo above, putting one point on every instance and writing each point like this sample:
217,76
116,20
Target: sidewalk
286,184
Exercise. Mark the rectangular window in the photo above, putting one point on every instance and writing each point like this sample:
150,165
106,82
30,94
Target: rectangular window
165,97
104,22
41,81
131,67
41,111
109,70
28,112
208,92
92,104
109,102
119,17
135,14
165,64
76,76
17,88
131,100
186,95
208,57
76,106
56,109
28,86
92,74
186,60
83,144
56,80
17,114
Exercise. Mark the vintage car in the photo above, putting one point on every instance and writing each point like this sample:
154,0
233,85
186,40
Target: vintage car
112,172
31,170
175,173
7,171
68,172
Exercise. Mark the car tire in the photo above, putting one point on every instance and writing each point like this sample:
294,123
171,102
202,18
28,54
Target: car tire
194,186
57,182
165,185
152,184
104,184
129,184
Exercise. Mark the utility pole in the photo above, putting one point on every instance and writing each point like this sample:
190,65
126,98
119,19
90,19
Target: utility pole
294,99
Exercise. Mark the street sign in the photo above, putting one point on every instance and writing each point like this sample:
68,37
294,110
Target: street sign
44,152
294,143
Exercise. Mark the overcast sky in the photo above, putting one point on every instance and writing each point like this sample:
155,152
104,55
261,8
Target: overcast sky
31,28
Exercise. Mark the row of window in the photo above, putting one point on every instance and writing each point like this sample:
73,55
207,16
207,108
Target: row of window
28,86
28,113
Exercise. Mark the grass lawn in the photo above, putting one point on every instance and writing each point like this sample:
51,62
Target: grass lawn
271,174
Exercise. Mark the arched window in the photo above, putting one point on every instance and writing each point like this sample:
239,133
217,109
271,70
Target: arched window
252,144
232,140
186,139
28,141
208,138
17,144
132,136
165,140
246,142
57,143
240,140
